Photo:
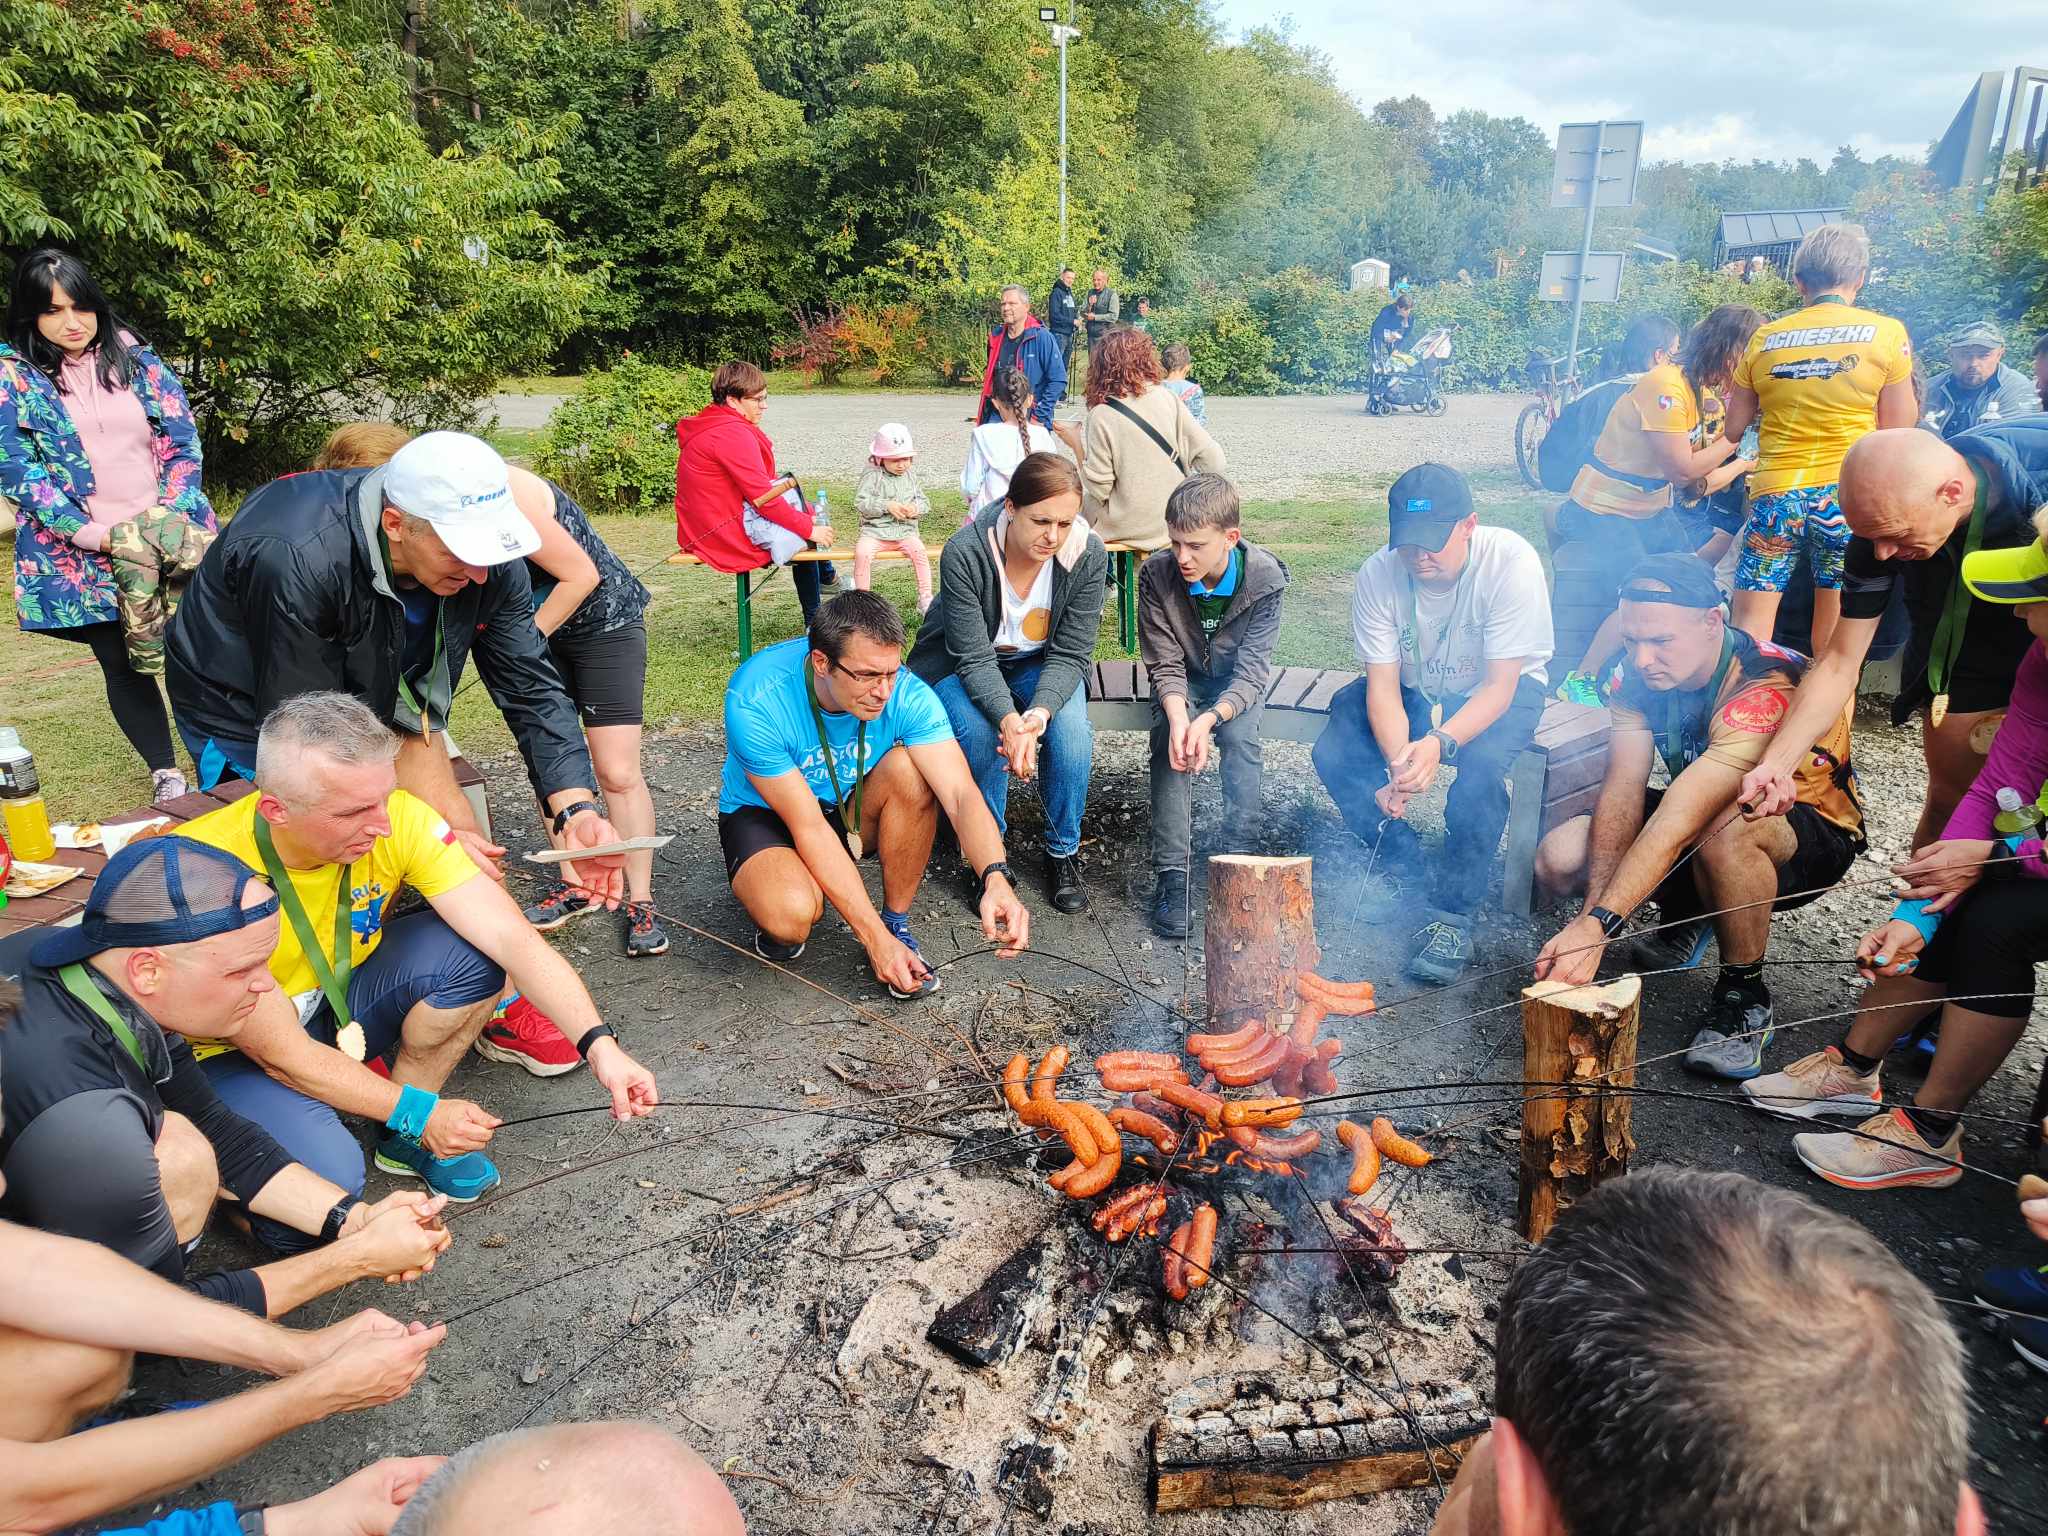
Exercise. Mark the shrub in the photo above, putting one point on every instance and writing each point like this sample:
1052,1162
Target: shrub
878,343
613,446
1231,352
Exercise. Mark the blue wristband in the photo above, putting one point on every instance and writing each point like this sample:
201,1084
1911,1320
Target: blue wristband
1914,914
414,1105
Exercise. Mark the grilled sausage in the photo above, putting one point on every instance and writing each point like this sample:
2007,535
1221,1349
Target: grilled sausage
1118,1061
1106,1138
1307,1021
1013,1082
1074,1130
1175,1273
1091,1182
1273,1111
1045,1082
1253,1069
1139,1123
1205,1044
1140,1079
1108,1212
1365,1156
1285,1148
1201,1245
1397,1146
1195,1102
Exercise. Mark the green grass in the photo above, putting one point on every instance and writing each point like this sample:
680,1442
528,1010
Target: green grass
55,697
541,384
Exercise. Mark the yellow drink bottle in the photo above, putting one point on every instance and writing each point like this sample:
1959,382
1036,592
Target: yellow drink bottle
21,802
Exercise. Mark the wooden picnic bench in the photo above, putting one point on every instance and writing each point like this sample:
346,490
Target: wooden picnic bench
1557,778
1124,557
66,904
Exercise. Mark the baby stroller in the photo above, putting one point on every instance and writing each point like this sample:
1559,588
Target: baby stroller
1410,378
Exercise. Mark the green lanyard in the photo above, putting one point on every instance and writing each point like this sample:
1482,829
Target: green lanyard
86,990
1679,751
333,978
416,702
1414,626
860,757
1955,614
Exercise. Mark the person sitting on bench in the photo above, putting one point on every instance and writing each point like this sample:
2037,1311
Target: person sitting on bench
1452,625
1208,618
1708,699
832,751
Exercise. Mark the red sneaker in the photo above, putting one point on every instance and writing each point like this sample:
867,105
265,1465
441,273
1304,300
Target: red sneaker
526,1037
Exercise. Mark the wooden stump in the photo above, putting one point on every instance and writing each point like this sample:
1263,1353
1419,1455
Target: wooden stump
1575,1136
1260,932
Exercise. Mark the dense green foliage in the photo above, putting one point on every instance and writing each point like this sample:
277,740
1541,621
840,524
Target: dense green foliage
613,443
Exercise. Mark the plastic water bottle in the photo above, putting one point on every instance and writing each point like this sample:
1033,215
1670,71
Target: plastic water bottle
821,514
21,801
2016,814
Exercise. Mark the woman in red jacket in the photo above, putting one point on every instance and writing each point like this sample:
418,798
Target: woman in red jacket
730,506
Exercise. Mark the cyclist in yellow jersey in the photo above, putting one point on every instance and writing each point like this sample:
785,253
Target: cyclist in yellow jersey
1821,377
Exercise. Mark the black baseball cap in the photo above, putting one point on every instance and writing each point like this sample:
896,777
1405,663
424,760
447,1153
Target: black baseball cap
1677,579
155,893
1425,504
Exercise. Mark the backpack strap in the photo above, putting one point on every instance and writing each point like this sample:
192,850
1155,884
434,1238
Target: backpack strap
1150,431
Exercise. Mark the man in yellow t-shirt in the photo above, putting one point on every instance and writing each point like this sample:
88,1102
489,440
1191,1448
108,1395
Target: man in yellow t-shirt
329,827
1821,376
1708,700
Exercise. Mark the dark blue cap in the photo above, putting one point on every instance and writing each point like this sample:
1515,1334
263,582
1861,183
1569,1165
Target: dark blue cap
1425,504
155,893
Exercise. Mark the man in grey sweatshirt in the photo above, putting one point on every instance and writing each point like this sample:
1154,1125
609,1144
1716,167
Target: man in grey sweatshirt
1208,617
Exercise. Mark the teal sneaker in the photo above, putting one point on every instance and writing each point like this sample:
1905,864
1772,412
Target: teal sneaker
1579,688
462,1179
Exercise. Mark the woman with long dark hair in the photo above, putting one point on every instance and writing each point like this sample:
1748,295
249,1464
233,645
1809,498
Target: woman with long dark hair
94,434
1008,646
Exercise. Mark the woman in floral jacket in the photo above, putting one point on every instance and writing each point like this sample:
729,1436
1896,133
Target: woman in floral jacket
94,431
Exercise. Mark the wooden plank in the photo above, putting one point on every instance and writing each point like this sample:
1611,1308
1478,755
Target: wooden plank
1289,684
1574,774
1563,721
1557,812
1525,831
466,772
1119,680
1142,688
1328,684
815,556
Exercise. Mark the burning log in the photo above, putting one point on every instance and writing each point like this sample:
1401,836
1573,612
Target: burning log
1239,1442
1573,1138
989,1324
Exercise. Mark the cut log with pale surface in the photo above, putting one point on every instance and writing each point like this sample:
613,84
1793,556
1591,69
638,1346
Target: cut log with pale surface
1260,933
1228,1443
1576,1136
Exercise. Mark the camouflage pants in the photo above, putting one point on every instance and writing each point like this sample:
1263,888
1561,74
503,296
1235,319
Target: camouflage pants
153,556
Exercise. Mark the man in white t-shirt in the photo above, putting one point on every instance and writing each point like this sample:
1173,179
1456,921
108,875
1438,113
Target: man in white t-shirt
1452,626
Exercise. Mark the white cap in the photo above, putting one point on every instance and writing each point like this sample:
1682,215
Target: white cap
892,441
459,484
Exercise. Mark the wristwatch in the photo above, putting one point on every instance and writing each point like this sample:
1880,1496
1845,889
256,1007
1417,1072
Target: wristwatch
592,1036
562,816
997,868
1611,922
1447,741
330,1229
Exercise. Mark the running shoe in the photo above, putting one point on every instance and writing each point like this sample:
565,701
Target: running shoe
524,1036
1889,1153
898,924
775,949
461,1178
167,784
1579,688
1672,947
2015,1290
557,907
1816,1085
644,936
1731,1043
1443,947
2030,1341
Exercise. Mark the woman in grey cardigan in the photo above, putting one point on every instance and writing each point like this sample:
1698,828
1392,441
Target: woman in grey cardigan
1007,648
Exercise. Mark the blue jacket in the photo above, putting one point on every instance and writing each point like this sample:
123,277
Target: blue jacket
1060,310
214,1520
1045,367
2016,453
1953,410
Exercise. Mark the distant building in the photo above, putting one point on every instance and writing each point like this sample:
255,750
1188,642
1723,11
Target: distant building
1370,273
1773,235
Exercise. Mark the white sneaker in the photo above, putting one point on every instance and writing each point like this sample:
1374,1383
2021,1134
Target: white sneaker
168,784
1816,1085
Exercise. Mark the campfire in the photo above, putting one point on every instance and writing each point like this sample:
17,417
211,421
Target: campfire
1200,1175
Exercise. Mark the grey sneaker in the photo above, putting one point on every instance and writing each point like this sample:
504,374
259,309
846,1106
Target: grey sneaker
1443,946
1386,897
1679,948
1732,1042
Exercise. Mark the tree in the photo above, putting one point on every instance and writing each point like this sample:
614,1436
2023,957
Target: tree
1411,121
1490,156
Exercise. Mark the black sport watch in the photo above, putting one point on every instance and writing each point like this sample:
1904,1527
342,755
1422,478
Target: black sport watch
562,816
1610,921
330,1229
591,1036
997,868
1447,742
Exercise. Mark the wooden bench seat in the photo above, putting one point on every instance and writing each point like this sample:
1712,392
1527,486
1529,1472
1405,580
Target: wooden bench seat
1557,778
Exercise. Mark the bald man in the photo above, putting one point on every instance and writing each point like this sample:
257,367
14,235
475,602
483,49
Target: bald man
601,1479
1915,505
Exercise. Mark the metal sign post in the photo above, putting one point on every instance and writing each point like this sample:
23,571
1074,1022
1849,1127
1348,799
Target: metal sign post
1050,15
1596,167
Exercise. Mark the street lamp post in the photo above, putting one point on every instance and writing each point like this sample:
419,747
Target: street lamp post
1050,15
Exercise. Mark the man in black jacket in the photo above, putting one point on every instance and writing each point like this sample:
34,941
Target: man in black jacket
380,582
1061,313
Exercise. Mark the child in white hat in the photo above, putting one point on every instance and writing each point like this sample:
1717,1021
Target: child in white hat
890,500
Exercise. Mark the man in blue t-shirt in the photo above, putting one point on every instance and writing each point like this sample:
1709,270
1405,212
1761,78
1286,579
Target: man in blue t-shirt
832,751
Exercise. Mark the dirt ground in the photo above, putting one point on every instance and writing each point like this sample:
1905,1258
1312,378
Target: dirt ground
758,1275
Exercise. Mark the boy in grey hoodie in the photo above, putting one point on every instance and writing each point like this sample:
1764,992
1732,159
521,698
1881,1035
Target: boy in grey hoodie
1208,617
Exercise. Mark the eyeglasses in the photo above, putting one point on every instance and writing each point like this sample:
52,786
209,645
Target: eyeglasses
759,397
870,679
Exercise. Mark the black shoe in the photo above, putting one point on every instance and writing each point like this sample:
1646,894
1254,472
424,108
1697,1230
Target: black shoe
1063,874
770,949
1170,904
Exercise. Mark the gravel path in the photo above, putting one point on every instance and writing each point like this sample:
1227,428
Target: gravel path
1270,440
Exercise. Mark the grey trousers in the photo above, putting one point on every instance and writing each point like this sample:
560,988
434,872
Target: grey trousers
1243,758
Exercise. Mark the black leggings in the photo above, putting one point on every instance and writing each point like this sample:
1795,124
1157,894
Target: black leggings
1990,943
137,702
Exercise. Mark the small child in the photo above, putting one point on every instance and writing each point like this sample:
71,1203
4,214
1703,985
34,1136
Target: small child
1178,360
889,501
996,448
1208,617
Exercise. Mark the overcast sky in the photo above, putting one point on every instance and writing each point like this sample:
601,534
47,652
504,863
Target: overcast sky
1775,81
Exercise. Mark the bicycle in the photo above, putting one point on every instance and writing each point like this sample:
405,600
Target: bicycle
1553,394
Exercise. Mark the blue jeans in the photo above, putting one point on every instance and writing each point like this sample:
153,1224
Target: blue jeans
1065,755
421,960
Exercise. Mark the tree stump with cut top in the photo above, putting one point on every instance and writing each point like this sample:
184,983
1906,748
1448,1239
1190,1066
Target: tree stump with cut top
1577,1041
1259,934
